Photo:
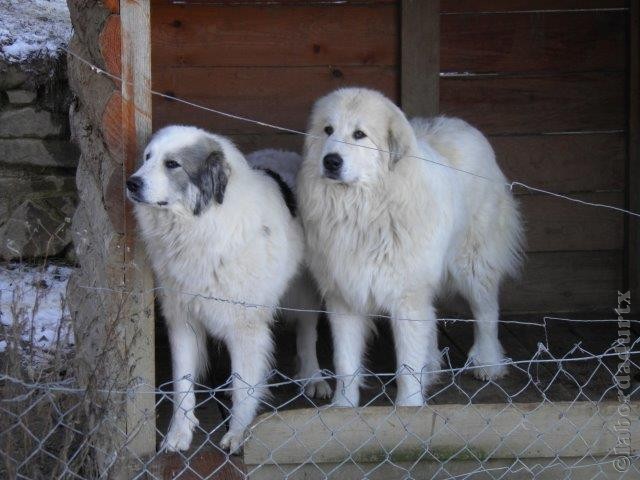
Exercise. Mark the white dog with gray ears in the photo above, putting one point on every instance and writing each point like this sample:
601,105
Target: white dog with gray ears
388,229
216,228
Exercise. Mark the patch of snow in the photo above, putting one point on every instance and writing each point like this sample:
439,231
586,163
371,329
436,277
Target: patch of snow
33,28
31,303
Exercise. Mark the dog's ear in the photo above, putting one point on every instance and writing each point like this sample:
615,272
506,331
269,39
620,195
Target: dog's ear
211,179
401,138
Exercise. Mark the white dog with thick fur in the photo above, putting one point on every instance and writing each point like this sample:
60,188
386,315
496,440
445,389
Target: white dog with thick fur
215,228
388,229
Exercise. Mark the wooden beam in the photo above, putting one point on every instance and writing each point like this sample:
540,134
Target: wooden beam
530,430
420,57
287,35
139,318
632,257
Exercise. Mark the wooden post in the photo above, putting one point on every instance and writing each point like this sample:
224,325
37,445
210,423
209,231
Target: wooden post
633,171
420,52
136,129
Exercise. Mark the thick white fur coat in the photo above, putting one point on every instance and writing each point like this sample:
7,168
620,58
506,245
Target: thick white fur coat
245,249
397,229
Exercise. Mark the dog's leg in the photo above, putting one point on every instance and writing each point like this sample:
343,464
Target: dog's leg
486,352
251,349
309,369
188,346
302,295
415,336
349,332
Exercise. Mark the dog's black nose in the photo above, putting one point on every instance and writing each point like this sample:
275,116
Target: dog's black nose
134,184
332,162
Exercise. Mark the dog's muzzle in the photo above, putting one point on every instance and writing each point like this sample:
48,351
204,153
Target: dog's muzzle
332,163
134,188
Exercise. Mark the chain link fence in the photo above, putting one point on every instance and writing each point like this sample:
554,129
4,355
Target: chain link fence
573,415
566,409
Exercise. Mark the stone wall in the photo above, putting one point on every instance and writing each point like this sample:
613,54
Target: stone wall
37,160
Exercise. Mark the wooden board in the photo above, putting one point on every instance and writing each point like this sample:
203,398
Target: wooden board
494,6
560,103
290,3
203,35
564,163
565,281
335,437
420,51
534,42
280,95
580,102
139,325
448,6
632,258
552,224
284,141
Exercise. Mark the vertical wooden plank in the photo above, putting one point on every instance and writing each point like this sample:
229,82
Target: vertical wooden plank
136,129
420,57
633,171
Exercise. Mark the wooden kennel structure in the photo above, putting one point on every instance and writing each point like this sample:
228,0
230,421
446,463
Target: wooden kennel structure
553,83
549,88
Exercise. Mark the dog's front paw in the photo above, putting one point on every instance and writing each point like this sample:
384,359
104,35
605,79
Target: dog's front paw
315,386
493,372
488,362
318,389
180,433
232,441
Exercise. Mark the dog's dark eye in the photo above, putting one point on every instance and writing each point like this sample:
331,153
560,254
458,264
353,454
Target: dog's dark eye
358,134
171,164
147,156
328,129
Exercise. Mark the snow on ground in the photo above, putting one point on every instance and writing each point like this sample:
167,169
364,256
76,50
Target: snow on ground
32,298
33,28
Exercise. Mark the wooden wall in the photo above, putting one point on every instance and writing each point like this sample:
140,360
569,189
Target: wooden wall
545,79
269,62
